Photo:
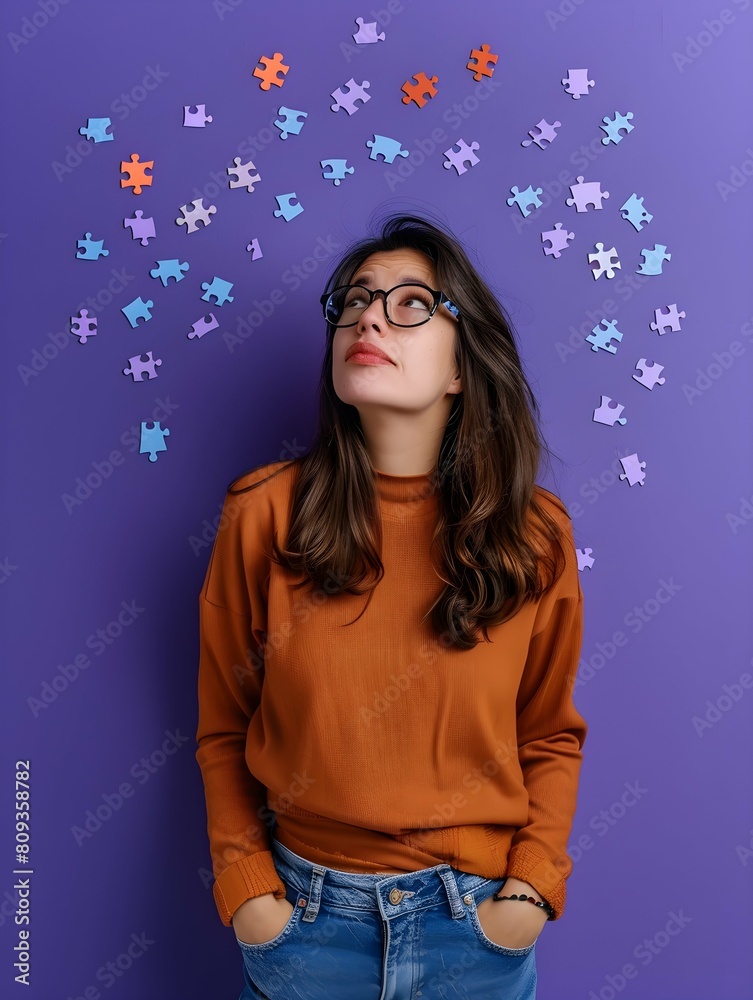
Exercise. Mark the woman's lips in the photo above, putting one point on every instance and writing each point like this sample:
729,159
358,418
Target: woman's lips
367,358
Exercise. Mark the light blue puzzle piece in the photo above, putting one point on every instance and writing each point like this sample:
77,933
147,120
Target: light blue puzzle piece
219,289
169,269
382,145
525,198
96,129
653,259
92,248
287,211
292,122
613,126
602,334
153,439
635,213
136,310
338,170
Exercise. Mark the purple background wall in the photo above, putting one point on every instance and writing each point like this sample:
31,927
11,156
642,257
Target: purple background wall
669,705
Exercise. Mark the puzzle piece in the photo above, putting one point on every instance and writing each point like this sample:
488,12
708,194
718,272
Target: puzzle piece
138,368
243,174
465,154
219,289
152,439
347,98
136,310
584,559
480,60
613,126
193,216
603,258
585,194
542,132
338,170
136,170
202,326
415,91
272,67
254,245
558,240
287,210
669,320
635,213
524,199
382,145
653,259
96,130
167,269
92,249
367,33
650,373
633,469
602,335
84,326
576,83
195,116
292,123
608,412
141,228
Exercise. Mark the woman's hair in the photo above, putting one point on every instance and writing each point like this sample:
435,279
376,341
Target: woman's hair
493,536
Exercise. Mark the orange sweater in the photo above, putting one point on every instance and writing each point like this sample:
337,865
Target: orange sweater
375,746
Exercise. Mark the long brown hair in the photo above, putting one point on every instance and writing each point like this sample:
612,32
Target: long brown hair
496,544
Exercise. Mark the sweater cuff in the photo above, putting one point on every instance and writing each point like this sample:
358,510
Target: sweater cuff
530,866
252,876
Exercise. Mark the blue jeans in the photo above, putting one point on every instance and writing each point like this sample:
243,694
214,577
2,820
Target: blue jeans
384,937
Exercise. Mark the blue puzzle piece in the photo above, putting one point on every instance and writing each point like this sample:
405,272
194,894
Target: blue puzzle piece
92,248
153,439
287,210
96,130
338,170
169,269
602,334
613,126
653,259
523,199
382,145
635,213
292,123
136,310
219,289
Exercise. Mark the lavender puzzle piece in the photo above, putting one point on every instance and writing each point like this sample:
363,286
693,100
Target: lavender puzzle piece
202,326
141,228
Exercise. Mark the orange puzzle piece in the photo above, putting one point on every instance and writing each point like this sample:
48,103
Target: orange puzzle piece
483,57
136,171
272,67
415,91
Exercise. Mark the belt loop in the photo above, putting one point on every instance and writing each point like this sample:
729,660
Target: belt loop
446,874
315,893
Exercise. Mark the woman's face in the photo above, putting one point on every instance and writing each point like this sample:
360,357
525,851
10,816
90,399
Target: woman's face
421,369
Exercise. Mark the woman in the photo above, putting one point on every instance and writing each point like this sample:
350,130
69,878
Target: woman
390,629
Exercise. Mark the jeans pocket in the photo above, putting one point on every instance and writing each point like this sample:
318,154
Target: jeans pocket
481,934
285,934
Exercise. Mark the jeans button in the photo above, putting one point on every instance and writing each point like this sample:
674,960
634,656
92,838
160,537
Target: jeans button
467,899
395,896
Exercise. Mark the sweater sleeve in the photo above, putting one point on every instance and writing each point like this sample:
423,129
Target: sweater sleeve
232,617
551,734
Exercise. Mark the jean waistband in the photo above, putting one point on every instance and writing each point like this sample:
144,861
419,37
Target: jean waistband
392,895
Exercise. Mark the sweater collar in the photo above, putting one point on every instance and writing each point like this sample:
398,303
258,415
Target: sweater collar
416,489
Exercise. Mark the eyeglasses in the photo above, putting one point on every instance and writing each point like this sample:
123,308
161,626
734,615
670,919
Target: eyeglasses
404,305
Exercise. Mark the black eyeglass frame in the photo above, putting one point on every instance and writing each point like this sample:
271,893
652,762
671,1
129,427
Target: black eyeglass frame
439,299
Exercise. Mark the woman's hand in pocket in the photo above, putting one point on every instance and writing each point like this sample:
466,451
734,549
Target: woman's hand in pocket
509,922
261,918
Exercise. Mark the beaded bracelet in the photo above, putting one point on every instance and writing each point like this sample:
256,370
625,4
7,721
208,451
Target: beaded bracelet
547,907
